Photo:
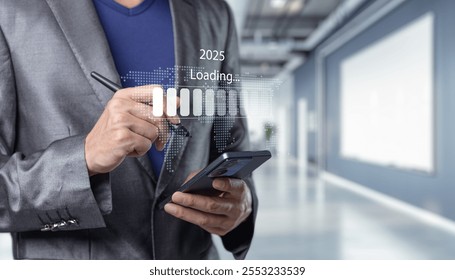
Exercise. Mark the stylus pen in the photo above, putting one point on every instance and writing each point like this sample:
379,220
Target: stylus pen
179,129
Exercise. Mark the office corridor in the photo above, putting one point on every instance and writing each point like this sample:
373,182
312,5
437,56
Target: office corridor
305,218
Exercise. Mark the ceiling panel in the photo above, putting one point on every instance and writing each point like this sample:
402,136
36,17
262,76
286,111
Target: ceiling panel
268,28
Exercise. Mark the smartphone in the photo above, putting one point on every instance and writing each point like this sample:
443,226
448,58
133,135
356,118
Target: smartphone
230,164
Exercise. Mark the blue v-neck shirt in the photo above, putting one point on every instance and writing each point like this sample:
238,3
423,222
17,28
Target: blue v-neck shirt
140,39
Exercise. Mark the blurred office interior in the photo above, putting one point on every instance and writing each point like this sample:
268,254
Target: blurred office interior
364,155
362,126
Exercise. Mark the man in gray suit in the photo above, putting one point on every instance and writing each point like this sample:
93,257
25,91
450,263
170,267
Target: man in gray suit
74,179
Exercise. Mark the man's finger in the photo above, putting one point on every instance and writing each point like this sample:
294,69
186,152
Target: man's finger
204,220
229,185
144,95
202,203
135,117
139,145
144,128
217,230
140,110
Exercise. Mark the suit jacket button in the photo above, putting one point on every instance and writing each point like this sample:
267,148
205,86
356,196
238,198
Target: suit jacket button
73,222
62,224
46,227
54,226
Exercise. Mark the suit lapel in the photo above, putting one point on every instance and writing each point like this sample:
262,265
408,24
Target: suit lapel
87,40
186,41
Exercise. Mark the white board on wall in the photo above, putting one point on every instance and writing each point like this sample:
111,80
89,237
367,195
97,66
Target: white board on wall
387,99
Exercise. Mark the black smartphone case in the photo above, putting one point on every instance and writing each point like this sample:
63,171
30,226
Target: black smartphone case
231,164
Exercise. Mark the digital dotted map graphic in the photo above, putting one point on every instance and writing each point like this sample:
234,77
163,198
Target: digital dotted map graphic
220,101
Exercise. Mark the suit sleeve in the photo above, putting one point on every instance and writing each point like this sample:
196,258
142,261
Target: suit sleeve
238,241
47,190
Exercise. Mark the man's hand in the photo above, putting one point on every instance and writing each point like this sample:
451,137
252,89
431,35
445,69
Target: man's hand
217,215
126,128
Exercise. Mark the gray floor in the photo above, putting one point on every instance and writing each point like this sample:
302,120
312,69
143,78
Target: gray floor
304,218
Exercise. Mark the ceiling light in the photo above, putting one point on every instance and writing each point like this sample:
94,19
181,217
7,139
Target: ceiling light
278,4
296,6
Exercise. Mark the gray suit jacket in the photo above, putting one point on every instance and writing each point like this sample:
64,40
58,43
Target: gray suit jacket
48,104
